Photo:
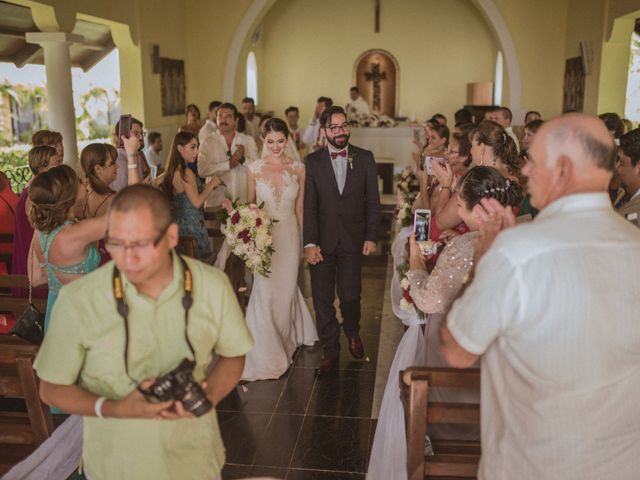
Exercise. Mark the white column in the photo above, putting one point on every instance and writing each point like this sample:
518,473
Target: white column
57,61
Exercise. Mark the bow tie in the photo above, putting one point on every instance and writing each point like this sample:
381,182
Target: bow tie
341,153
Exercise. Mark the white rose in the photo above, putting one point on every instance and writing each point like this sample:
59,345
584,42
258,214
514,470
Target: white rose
404,283
404,185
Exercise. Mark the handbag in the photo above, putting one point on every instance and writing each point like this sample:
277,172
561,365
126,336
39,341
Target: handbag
30,325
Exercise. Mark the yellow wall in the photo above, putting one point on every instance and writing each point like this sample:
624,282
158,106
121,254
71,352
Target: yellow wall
308,50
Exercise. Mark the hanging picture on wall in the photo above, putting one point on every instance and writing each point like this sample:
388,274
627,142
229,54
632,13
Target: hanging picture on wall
574,80
172,86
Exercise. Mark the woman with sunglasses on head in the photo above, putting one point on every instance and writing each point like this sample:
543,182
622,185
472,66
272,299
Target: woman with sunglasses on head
186,193
100,166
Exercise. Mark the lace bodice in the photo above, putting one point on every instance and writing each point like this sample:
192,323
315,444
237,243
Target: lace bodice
278,189
436,292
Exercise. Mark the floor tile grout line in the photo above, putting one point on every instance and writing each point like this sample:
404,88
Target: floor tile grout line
273,412
304,417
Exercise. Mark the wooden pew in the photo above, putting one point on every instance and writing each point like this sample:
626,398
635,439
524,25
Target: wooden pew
18,380
17,305
452,458
6,240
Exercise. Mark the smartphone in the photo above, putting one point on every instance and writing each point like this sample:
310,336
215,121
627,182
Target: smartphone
416,134
421,222
124,128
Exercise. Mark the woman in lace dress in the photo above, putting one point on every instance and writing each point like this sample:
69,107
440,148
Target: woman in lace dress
277,314
434,294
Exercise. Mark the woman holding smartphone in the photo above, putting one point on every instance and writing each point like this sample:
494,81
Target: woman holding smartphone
186,193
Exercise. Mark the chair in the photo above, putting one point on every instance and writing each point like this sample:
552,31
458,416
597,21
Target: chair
452,458
17,305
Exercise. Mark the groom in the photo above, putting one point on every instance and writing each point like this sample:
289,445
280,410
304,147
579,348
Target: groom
341,216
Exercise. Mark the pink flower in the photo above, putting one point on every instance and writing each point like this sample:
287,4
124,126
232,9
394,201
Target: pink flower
227,205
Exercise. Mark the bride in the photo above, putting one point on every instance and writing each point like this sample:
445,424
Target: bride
277,315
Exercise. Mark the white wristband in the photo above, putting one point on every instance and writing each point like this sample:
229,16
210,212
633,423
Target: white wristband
131,166
98,406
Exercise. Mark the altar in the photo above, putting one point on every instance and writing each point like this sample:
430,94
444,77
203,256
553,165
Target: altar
391,146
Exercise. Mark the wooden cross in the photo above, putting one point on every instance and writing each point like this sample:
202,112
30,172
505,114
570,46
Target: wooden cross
377,17
375,76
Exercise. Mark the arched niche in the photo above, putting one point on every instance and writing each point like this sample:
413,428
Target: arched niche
376,73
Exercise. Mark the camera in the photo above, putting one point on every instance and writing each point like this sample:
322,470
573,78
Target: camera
179,385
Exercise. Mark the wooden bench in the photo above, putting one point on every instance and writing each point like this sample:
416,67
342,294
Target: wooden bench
17,305
18,380
452,458
6,240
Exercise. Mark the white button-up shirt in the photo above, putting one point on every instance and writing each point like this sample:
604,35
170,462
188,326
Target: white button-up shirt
554,310
339,165
213,158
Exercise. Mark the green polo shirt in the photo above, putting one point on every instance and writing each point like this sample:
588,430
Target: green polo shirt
85,345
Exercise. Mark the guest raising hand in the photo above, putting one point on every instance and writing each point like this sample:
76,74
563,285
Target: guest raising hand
186,193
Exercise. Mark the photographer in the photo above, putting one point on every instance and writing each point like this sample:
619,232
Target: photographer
136,319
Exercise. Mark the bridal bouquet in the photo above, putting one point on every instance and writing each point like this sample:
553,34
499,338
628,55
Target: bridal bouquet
406,301
248,231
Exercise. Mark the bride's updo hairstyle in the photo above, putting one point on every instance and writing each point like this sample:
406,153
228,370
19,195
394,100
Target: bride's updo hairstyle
487,182
275,125
53,194
494,135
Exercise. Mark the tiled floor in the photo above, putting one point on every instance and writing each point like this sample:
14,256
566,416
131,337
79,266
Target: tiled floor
304,427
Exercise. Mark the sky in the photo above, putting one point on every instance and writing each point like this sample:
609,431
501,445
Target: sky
106,74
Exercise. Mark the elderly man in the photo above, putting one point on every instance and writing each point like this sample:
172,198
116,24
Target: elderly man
116,330
628,167
553,314
224,152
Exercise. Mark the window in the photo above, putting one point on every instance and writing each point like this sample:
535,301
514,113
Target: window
632,107
252,77
497,86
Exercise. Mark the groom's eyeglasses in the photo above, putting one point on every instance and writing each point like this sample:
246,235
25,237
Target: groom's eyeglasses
337,128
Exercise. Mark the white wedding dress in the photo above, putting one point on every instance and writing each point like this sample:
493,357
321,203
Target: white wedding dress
277,315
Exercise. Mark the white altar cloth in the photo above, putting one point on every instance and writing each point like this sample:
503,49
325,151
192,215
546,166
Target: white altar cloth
389,145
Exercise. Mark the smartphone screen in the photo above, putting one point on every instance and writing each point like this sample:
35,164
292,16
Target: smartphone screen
416,134
421,221
124,128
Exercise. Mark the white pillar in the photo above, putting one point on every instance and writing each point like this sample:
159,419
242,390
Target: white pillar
57,61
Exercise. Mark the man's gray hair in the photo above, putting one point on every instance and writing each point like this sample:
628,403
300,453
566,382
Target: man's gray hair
564,137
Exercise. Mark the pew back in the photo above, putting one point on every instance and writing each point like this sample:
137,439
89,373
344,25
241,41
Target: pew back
452,458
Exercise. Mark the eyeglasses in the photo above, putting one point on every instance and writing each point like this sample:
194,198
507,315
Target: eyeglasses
337,128
137,248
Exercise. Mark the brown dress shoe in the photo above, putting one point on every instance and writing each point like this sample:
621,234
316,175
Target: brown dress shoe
356,348
327,364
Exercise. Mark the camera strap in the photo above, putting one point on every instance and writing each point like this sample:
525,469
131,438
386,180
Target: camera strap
123,308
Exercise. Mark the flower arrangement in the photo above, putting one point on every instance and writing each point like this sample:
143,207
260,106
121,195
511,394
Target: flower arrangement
372,120
248,231
404,215
406,301
407,183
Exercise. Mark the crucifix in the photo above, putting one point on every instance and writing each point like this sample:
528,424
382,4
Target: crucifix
377,17
375,76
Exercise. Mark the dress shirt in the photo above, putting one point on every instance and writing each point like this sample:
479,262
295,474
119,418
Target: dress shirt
516,140
311,134
122,175
208,128
553,310
213,158
360,105
253,127
339,165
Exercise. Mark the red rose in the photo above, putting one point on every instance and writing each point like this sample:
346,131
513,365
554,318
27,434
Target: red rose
235,218
245,236
258,222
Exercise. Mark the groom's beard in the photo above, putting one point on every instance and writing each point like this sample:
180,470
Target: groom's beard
339,142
